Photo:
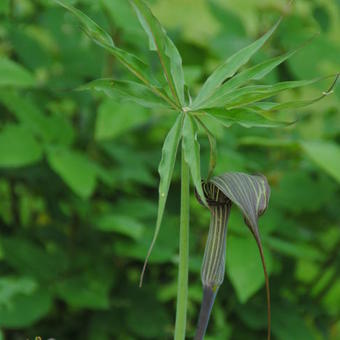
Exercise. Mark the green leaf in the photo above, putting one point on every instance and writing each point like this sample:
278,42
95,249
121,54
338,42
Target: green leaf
324,154
288,324
11,286
85,291
75,169
295,249
102,38
251,94
115,119
191,149
95,32
268,142
167,244
244,117
245,272
25,112
25,310
124,225
49,128
127,91
168,54
213,151
165,169
273,107
18,147
303,192
147,317
230,67
4,9
15,75
256,72
39,262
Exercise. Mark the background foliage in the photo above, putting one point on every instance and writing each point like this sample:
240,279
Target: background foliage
78,180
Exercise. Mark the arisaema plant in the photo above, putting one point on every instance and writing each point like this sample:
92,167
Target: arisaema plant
230,95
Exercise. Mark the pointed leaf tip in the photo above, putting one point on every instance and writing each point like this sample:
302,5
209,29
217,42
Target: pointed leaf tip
90,28
103,39
191,148
165,169
230,67
168,54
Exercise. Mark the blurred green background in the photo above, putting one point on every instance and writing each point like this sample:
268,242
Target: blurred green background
78,178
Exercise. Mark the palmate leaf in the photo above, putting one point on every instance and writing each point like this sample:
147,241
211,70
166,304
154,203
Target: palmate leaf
165,169
256,72
251,194
213,151
191,149
168,54
230,67
273,107
102,38
95,32
244,117
127,91
254,93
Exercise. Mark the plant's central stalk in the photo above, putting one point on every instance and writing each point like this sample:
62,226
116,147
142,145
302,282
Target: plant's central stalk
213,266
183,266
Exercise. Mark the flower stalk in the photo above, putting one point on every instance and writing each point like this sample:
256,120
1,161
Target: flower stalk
183,265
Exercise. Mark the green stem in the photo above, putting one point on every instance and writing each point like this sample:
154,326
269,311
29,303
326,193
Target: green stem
183,267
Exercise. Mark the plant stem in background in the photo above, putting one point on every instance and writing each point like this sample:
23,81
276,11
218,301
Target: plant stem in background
183,267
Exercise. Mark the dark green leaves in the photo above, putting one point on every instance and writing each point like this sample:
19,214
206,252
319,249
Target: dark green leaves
38,304
15,75
230,67
75,169
95,32
212,144
251,94
256,72
325,154
244,117
127,91
102,38
18,147
165,169
169,57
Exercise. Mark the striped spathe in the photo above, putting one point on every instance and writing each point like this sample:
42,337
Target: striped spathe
250,193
